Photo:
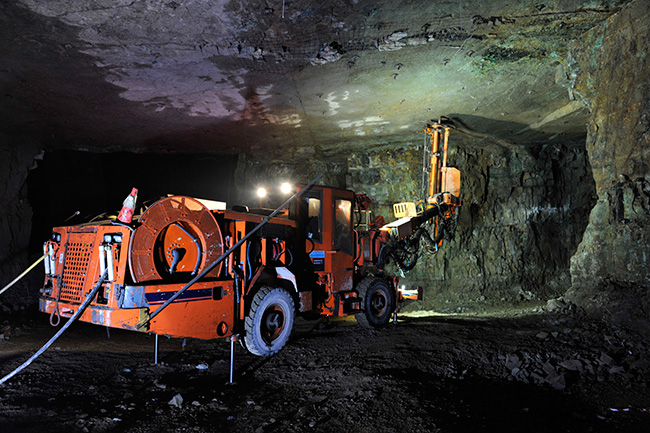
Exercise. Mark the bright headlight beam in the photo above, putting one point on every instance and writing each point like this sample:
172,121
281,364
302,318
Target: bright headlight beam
285,188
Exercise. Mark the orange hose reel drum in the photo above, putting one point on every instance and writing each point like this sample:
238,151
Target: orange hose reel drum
178,237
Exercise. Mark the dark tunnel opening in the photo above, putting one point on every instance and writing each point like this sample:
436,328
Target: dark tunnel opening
67,181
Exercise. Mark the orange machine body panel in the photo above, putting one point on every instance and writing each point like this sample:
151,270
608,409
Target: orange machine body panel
450,184
204,311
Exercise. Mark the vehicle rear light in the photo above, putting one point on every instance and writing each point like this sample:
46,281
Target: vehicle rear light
113,238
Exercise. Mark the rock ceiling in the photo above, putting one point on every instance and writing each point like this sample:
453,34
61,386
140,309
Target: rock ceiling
287,76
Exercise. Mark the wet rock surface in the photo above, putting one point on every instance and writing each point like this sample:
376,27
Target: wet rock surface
510,372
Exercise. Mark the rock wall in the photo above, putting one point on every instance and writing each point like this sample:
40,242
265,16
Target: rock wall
388,176
16,159
524,211
610,69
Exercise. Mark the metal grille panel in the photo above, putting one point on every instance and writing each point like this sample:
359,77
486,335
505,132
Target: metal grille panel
77,260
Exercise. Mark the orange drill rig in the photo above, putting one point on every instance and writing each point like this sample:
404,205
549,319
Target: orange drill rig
220,273
435,216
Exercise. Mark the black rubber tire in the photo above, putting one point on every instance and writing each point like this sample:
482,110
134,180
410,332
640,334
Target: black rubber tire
378,302
269,322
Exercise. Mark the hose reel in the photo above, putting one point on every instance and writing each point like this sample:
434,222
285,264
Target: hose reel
177,238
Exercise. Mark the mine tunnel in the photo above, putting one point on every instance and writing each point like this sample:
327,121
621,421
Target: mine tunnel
517,299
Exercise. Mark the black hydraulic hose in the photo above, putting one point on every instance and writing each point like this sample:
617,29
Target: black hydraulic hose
226,254
381,256
414,241
196,243
288,252
249,268
414,244
313,246
401,264
237,297
410,246
436,241
74,317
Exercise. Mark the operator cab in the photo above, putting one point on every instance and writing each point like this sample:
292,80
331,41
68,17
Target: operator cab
329,236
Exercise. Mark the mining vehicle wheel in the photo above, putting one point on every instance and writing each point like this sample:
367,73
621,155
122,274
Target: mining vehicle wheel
378,302
269,322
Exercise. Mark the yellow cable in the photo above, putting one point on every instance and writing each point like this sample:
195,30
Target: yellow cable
23,274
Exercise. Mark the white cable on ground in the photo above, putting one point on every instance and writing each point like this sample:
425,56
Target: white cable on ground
23,274
80,310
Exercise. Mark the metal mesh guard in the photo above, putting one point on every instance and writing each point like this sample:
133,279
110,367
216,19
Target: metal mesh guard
77,258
